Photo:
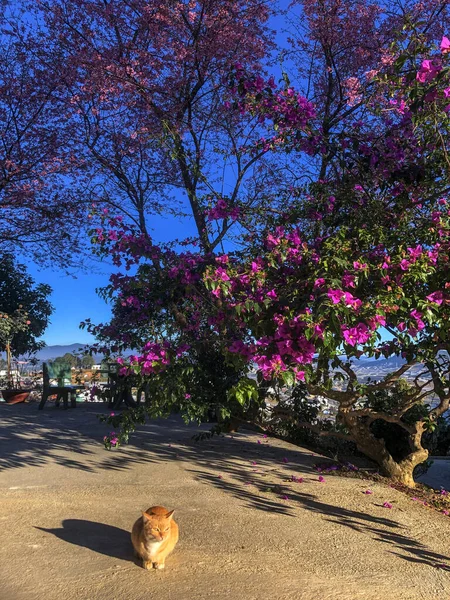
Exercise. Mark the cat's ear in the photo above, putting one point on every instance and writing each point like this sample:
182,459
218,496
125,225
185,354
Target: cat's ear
170,514
145,516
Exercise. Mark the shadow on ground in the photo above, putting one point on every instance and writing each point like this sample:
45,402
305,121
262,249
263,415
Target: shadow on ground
99,537
257,474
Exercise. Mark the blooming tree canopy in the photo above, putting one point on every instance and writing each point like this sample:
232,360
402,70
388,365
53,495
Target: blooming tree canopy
357,262
39,214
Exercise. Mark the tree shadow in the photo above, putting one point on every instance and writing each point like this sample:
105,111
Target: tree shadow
98,537
258,474
73,439
381,529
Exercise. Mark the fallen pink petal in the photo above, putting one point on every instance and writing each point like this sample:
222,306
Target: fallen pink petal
387,505
285,460
321,479
295,479
368,492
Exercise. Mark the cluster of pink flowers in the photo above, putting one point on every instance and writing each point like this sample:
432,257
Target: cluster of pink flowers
111,439
288,110
428,70
222,210
154,358
349,300
356,335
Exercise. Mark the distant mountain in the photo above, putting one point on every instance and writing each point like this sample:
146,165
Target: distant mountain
52,352
392,361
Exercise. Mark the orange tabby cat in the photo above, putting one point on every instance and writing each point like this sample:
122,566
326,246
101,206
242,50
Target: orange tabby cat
154,536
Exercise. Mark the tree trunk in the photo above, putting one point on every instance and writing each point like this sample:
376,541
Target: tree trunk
8,363
375,448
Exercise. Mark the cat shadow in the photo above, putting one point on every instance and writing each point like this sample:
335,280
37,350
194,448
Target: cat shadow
99,537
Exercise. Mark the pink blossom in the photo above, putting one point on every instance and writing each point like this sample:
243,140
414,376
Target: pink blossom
436,297
359,266
356,335
320,282
295,479
445,45
428,71
335,295
321,479
348,280
299,375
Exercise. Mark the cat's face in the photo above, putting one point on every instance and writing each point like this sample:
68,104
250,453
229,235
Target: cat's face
157,526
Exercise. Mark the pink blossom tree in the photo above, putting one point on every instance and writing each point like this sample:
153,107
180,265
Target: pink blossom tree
146,90
40,216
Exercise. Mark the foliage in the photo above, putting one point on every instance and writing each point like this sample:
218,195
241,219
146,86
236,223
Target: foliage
11,325
68,359
87,362
17,288
437,441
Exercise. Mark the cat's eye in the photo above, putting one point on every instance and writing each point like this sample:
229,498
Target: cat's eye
167,529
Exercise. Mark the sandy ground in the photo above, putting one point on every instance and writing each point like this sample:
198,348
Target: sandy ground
67,507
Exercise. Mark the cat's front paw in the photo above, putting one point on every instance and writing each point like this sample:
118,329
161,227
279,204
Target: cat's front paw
147,564
158,565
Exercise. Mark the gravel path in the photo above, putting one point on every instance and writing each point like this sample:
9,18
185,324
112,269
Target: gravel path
67,507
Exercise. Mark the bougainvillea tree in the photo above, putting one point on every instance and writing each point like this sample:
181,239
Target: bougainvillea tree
311,306
357,263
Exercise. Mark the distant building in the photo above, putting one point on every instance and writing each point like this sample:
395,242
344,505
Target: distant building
96,367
